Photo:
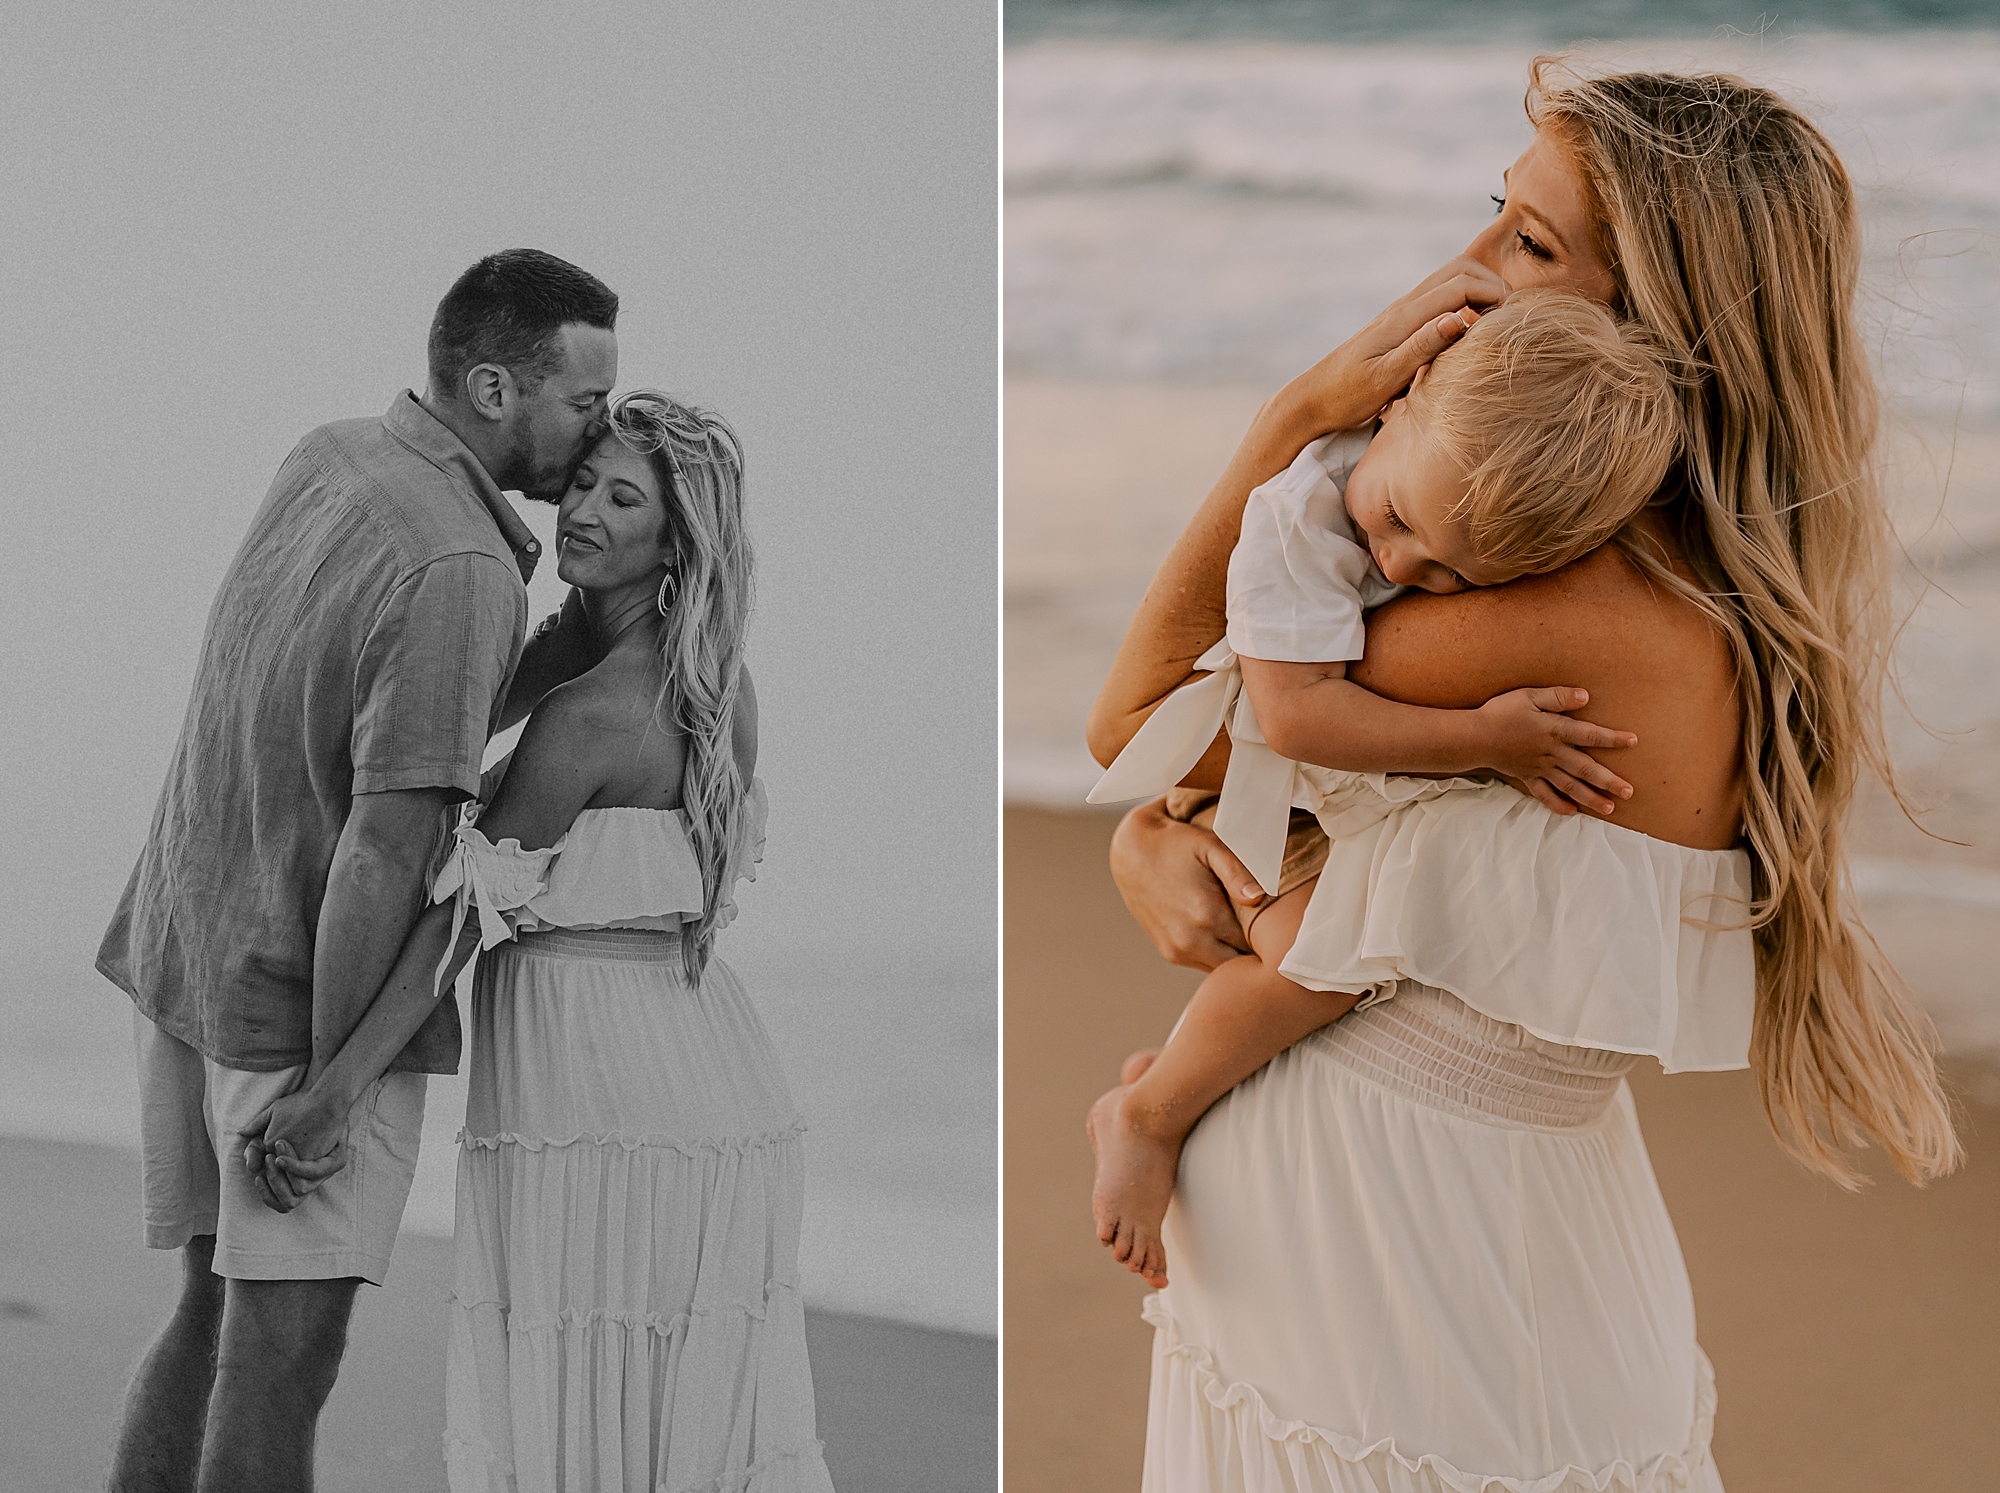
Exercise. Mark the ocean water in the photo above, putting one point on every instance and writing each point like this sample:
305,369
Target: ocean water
1201,200
1230,210
1540,23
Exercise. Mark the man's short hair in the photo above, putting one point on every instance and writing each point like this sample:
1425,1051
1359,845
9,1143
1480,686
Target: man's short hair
507,309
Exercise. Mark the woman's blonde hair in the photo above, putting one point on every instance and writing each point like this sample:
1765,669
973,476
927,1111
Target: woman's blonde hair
1730,228
699,465
1564,420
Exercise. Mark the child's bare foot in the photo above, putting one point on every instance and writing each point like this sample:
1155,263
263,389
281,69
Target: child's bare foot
1136,1065
1135,1181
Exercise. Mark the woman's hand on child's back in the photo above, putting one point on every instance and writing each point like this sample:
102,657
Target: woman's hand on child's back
1537,745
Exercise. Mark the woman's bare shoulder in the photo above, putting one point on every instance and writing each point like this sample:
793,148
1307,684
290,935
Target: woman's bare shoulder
1602,612
1652,662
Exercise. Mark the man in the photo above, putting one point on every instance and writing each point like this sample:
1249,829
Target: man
356,660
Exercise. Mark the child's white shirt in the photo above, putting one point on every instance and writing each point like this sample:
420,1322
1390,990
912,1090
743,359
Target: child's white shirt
1300,577
1301,582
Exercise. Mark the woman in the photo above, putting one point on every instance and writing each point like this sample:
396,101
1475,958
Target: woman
1424,1249
631,1176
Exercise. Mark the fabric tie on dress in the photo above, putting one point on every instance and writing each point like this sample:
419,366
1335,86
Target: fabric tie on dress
497,879
1255,810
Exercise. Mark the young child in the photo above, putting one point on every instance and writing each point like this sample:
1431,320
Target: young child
1530,442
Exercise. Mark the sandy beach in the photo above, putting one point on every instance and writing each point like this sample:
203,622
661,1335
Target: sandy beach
901,1409
1856,1340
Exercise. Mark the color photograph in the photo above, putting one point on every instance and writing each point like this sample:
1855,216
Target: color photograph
1502,862
501,736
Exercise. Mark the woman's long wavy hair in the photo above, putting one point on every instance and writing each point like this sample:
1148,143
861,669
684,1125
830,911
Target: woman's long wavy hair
699,464
1730,227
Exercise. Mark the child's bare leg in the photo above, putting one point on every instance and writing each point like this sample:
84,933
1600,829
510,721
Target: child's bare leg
1244,1014
1269,938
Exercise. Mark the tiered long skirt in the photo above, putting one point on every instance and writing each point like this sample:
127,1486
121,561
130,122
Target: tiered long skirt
1423,1252
630,1184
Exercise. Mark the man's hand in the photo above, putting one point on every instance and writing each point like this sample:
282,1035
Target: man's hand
292,1146
1182,885
1537,745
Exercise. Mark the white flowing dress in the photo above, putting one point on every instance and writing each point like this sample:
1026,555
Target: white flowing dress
631,1176
1423,1250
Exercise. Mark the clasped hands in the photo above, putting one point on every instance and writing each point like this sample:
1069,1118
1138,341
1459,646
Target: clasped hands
292,1146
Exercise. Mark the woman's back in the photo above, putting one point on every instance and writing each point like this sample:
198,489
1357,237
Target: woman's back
1652,664
637,759
605,727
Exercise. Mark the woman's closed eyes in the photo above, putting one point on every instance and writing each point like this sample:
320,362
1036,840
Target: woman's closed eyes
1527,244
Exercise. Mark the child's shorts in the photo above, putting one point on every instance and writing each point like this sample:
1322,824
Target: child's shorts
190,1112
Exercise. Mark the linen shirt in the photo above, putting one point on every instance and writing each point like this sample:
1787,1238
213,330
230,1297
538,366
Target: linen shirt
362,642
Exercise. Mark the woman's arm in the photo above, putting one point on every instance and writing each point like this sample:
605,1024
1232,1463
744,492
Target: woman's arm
552,656
555,771
298,1141
1651,663
1314,713
1183,614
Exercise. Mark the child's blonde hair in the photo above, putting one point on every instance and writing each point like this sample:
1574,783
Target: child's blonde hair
1564,420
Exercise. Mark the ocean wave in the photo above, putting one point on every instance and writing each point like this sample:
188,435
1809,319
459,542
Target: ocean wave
1231,211
1187,169
1543,23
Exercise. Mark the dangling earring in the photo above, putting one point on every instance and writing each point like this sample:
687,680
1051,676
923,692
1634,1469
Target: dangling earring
668,587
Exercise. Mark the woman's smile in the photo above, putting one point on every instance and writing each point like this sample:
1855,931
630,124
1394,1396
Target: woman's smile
612,528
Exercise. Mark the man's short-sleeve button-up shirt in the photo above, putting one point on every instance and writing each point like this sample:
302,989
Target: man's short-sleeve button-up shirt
362,642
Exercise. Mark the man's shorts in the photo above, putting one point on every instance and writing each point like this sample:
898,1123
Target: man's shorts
190,1112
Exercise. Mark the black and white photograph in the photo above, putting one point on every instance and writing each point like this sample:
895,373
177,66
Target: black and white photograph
500,972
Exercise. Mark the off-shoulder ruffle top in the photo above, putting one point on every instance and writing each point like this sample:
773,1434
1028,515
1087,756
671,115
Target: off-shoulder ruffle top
1581,932
613,868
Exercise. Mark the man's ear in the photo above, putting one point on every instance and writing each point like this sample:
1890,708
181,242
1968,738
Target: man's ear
489,389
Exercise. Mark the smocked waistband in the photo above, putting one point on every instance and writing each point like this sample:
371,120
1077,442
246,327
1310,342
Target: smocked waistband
638,945
1435,1050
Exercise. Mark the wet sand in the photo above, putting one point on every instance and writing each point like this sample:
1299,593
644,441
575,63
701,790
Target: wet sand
1856,1340
901,1409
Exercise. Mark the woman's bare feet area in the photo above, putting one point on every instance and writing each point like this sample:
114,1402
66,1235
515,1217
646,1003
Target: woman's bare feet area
1135,1180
